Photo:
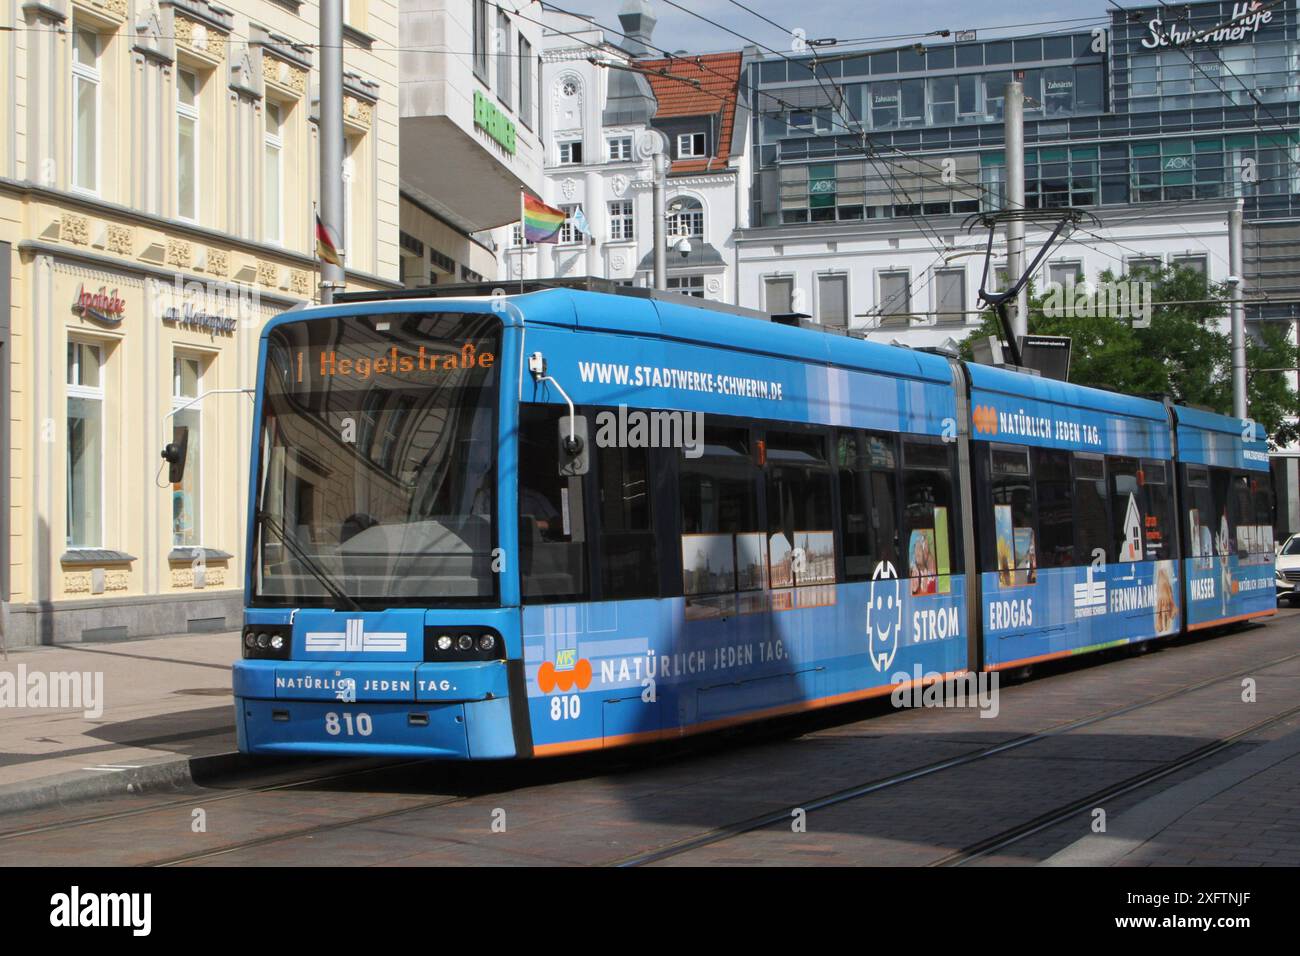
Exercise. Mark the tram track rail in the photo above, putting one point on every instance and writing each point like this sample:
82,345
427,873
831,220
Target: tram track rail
1051,818
1012,835
720,834
207,797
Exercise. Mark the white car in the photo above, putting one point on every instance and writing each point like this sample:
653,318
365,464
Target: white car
1287,570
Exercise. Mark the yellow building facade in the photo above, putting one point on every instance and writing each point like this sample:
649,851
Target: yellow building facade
158,175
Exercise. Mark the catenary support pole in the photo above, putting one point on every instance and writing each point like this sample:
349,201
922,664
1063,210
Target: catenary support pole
1014,121
331,139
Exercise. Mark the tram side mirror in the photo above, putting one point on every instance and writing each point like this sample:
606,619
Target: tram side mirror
575,457
174,454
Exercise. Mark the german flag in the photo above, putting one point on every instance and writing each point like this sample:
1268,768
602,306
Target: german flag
325,248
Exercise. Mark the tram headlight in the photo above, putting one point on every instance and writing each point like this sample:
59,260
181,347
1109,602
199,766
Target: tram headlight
267,641
464,642
444,642
487,642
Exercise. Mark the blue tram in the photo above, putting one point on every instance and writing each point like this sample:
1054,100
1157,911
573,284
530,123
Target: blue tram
569,520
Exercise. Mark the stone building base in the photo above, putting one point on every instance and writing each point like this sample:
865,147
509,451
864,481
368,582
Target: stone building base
73,622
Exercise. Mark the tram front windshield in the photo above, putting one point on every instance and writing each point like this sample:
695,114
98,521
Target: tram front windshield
376,478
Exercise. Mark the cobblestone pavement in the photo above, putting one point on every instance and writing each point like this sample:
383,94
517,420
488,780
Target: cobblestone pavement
1239,806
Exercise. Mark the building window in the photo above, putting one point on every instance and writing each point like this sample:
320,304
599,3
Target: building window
778,294
833,300
85,477
620,220
950,295
187,380
895,293
501,46
690,145
272,176
526,82
1064,273
618,149
571,153
517,236
687,285
569,231
687,220
187,144
1197,264
1152,265
349,196
85,94
481,39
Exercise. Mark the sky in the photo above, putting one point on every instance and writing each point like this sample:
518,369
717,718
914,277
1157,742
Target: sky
846,19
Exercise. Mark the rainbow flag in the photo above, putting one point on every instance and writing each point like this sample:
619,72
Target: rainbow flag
541,222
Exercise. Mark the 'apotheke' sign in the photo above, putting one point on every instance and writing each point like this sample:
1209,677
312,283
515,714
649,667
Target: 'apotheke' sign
102,306
1247,18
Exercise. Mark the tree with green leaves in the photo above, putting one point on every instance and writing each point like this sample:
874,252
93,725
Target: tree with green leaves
1185,352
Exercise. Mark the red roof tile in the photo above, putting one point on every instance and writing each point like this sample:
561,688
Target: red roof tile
719,77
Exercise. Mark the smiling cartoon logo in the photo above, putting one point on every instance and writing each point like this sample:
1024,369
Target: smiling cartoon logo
884,616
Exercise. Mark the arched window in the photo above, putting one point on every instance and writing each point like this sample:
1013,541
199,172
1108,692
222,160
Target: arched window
686,218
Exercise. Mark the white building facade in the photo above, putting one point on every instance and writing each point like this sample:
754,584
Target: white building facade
601,126
470,117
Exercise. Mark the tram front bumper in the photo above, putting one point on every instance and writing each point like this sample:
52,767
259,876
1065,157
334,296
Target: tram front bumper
435,710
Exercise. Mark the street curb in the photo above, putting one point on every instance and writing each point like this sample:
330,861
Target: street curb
167,774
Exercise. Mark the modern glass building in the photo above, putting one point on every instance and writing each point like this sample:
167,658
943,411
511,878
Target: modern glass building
1139,115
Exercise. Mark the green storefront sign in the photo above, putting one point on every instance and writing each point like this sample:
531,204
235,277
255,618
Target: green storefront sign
493,122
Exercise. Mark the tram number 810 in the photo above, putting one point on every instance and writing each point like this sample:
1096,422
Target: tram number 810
350,726
565,706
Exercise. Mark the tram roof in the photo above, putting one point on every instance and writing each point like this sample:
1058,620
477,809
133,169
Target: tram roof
1036,388
658,317
1201,418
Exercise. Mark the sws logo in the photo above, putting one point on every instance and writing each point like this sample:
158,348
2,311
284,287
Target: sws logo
1090,596
985,419
567,672
355,638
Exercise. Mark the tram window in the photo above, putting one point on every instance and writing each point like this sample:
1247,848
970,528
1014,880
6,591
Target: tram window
799,520
1055,514
1013,515
1158,527
1201,526
552,532
1126,508
928,522
718,493
628,563
868,501
1220,522
1262,489
1241,515
1091,527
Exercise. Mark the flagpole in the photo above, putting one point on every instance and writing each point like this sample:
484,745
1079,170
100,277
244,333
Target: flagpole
523,241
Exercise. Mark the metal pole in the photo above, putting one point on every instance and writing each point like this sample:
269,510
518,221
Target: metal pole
660,219
1014,121
1238,314
331,139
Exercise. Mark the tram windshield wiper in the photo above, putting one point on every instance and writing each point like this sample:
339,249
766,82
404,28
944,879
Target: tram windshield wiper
328,581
